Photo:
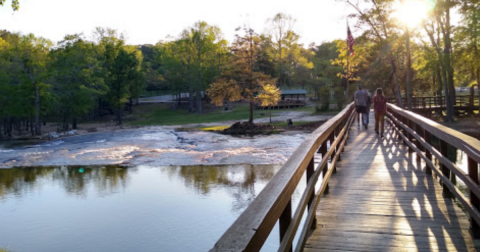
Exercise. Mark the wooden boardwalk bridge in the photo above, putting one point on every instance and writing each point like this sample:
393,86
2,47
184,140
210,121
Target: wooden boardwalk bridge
366,193
425,105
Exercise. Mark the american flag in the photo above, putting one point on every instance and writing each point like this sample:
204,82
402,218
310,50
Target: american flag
350,40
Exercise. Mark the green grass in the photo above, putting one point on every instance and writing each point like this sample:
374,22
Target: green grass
160,114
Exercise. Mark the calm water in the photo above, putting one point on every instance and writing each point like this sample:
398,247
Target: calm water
176,208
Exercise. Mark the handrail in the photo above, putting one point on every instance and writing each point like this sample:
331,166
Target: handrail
432,102
416,131
253,226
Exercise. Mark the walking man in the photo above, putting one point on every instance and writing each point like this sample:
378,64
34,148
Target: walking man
361,97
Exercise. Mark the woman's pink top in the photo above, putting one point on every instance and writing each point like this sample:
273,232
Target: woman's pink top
380,104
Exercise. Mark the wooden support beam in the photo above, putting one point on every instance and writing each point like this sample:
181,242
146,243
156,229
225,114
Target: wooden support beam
473,174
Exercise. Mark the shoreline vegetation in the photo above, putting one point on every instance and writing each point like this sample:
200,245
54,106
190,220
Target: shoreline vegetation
162,115
231,122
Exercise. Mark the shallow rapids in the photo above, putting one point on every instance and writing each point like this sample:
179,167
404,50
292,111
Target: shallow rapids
154,146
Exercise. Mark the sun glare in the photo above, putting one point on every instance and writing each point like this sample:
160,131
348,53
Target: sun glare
411,12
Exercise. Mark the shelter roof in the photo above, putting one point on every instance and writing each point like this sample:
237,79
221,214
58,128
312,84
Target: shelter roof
294,92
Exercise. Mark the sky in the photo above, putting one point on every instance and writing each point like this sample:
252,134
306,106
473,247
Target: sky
149,21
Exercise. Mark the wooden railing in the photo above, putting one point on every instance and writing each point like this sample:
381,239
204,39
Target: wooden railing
439,101
431,142
274,203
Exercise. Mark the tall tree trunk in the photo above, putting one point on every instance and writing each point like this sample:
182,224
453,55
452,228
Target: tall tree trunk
65,122
179,96
395,80
408,74
448,65
191,105
37,111
199,92
119,116
250,119
439,81
74,123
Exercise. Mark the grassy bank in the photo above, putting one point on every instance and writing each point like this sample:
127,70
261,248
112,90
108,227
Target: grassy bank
161,114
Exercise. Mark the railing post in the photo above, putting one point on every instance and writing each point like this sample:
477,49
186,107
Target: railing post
400,120
337,149
285,220
331,139
473,173
418,130
323,150
410,136
404,121
310,171
445,170
428,154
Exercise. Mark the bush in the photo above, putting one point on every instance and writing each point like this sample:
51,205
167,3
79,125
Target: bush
339,95
323,103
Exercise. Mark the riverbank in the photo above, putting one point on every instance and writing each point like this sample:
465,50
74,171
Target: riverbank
162,115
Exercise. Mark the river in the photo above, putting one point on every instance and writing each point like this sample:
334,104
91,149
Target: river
153,189
153,146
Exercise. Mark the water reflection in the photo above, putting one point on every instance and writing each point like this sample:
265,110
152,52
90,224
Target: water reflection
175,208
73,180
239,180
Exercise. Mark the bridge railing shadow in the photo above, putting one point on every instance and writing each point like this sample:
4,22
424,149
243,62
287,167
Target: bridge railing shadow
430,142
427,213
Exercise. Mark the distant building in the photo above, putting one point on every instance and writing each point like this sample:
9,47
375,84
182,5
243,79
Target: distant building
291,94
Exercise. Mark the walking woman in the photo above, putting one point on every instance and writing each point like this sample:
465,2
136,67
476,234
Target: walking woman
380,108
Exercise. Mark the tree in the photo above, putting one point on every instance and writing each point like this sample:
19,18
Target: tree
152,67
122,74
223,90
440,24
269,97
281,26
137,84
326,74
75,74
241,77
466,43
15,4
378,18
201,43
31,55
121,69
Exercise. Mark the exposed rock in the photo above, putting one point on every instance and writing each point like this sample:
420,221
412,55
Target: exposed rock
246,128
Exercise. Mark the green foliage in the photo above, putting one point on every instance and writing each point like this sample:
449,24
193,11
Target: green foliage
75,76
22,76
121,70
291,59
222,90
241,81
270,95
323,103
15,4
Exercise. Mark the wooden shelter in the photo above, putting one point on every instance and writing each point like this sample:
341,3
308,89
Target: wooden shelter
290,94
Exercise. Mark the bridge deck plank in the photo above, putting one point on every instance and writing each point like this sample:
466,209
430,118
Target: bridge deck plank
380,199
